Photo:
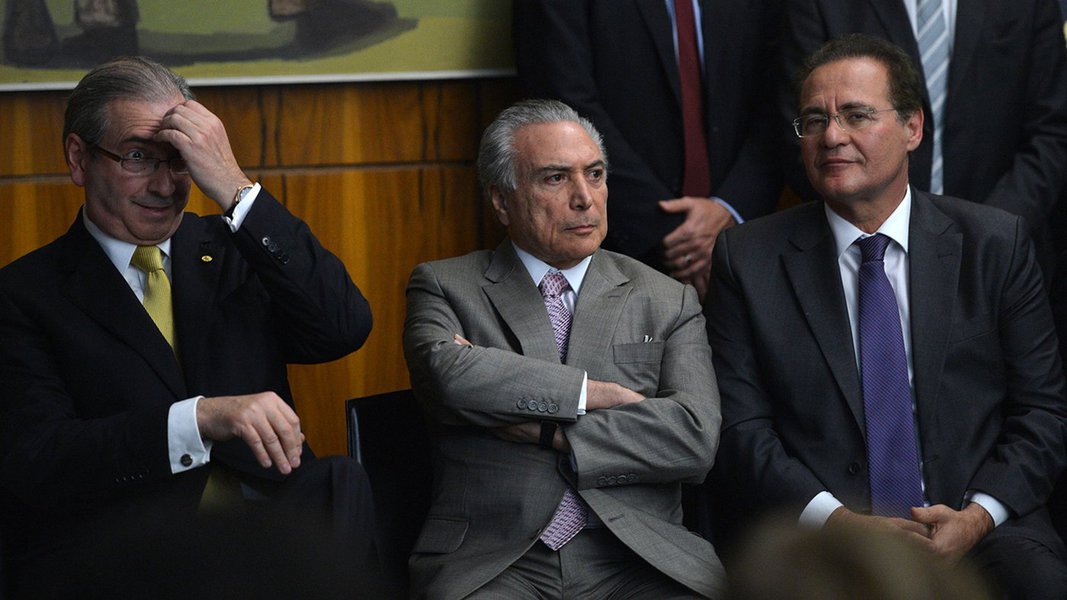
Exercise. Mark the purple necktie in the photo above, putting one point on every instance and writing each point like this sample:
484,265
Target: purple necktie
892,444
552,287
571,513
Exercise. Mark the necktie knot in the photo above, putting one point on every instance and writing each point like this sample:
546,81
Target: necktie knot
147,259
873,247
553,284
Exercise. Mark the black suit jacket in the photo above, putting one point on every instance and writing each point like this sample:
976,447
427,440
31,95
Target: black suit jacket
1005,141
87,380
987,376
614,62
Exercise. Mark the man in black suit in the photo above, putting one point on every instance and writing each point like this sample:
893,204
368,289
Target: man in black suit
123,421
980,385
616,62
1004,136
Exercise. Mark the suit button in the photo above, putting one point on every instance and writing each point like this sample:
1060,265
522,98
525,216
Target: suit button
522,403
265,241
854,468
612,479
553,408
186,460
542,406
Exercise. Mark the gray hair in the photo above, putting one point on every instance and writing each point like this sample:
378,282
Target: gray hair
124,78
497,153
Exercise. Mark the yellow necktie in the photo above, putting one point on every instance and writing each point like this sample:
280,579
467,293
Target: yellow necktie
156,290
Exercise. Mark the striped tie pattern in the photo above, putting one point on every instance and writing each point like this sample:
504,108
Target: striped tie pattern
571,513
892,442
552,287
934,49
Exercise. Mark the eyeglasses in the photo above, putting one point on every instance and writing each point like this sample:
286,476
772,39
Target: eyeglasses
142,165
852,119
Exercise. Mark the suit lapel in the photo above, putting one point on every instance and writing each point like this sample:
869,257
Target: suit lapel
659,27
100,291
196,265
597,312
934,257
516,298
816,279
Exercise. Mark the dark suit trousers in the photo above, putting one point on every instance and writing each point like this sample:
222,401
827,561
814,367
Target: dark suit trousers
595,564
312,536
1023,566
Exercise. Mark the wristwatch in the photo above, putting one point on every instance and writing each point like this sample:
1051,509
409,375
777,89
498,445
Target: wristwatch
240,195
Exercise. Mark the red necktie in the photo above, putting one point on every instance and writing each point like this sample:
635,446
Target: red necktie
697,179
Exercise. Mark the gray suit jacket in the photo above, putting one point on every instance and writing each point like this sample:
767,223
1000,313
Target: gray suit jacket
493,498
987,375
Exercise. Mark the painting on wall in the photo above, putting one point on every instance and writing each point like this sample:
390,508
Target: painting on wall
50,44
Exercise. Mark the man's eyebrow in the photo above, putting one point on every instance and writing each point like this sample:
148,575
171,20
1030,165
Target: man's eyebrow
567,168
817,110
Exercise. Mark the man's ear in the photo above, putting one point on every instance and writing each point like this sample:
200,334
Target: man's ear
915,129
78,155
500,207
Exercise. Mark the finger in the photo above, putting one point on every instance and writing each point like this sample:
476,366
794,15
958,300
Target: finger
285,426
676,205
460,340
692,269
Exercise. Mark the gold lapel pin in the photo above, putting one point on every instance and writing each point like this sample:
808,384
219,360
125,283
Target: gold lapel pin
206,258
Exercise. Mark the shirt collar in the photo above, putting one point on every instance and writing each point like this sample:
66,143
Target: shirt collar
118,252
895,227
538,268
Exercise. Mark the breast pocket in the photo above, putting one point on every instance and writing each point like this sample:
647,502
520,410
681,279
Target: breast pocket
639,366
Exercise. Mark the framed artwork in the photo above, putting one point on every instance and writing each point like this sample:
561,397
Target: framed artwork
50,44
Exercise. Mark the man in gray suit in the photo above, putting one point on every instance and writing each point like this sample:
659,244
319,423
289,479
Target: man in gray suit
541,431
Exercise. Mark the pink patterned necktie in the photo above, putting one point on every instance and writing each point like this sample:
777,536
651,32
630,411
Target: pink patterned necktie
571,514
552,287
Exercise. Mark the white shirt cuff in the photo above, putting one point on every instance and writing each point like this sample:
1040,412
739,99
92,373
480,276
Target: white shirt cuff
186,448
817,511
733,212
994,507
241,210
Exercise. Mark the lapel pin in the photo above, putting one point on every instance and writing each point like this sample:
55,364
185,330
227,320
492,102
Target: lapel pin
206,258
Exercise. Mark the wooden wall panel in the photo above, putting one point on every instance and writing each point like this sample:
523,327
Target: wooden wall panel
33,214
383,173
32,124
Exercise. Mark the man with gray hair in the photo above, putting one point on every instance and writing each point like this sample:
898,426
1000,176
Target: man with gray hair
143,359
570,389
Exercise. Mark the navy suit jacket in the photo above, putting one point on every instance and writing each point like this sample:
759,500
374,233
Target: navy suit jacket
614,62
987,375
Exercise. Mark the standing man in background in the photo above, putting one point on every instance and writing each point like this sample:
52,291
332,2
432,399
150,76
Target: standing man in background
681,91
